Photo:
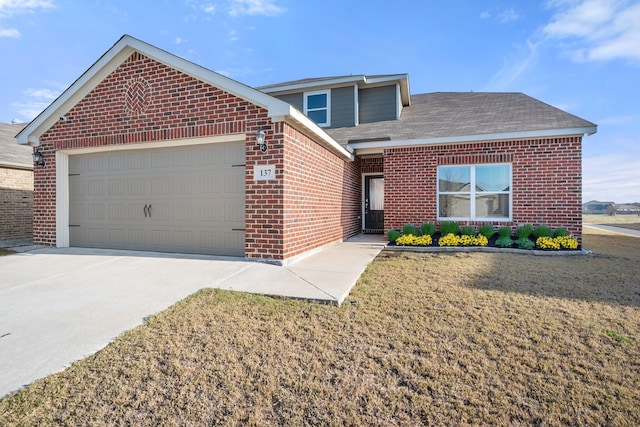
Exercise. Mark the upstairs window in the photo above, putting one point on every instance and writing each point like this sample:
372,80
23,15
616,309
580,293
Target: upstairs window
474,192
317,107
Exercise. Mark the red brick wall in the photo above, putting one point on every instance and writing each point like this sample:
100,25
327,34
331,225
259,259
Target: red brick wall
547,180
321,195
145,101
16,204
372,164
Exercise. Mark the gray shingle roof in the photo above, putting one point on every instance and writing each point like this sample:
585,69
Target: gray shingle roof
461,114
12,154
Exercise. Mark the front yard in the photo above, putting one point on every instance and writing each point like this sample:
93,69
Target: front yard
434,338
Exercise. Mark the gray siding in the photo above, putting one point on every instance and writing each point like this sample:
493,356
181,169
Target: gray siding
377,104
342,107
294,99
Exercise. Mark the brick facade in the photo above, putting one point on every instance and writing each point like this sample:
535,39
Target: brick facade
146,101
16,204
546,176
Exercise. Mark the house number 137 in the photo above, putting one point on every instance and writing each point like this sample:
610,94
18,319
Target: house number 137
264,172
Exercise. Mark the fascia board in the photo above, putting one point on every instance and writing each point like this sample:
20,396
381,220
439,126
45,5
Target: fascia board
314,84
376,145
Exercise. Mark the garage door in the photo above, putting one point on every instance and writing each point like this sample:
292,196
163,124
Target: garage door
187,199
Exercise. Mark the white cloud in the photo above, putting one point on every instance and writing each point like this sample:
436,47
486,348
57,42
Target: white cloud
485,15
179,40
513,67
35,101
233,36
208,8
597,30
10,7
9,32
612,177
507,15
255,7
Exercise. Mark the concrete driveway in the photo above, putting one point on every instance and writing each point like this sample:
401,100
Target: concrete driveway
60,305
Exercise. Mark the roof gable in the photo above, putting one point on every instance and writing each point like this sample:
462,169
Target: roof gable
119,53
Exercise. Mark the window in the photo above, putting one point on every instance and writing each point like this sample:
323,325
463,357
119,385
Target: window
474,192
317,107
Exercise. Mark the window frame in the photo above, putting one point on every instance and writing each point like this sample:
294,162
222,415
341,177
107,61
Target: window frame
473,193
306,108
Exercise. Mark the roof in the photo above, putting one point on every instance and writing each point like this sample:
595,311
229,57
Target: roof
278,110
11,154
443,117
361,80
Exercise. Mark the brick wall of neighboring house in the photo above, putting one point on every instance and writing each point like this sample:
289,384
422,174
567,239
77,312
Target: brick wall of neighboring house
146,101
546,175
16,204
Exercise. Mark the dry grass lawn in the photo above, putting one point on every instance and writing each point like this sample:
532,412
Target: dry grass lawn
624,221
479,338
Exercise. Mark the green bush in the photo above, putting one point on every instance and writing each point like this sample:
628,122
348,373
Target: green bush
524,231
468,230
410,229
525,243
428,229
504,242
449,227
392,235
560,232
542,231
488,231
504,232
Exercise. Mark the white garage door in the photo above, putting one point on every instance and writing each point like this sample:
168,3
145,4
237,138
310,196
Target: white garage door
187,199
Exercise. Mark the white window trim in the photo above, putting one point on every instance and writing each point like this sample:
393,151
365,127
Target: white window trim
472,194
307,110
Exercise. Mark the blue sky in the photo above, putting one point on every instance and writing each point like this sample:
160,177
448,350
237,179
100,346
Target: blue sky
579,55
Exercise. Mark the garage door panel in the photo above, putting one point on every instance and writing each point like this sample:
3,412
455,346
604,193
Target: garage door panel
188,199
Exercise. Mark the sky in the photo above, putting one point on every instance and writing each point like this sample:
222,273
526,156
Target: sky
582,56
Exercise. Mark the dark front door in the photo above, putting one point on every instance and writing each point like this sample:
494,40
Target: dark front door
374,203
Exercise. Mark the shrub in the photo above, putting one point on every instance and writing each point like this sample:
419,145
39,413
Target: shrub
392,235
504,242
468,230
504,233
525,243
411,240
449,227
542,231
428,228
560,232
410,229
524,231
488,231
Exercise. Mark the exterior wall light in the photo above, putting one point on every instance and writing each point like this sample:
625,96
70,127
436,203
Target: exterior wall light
38,159
260,140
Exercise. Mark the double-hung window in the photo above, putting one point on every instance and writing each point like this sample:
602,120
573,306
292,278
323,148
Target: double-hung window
475,192
317,106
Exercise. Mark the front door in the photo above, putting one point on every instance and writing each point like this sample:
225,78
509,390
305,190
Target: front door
374,203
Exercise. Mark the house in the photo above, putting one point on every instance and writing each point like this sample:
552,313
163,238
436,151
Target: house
148,151
599,208
16,188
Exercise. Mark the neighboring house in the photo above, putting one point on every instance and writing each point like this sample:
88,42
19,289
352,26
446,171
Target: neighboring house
149,151
627,209
16,188
599,208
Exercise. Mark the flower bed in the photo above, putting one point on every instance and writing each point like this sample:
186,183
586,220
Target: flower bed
526,237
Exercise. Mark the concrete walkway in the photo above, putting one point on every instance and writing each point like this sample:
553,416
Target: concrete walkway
619,230
60,305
